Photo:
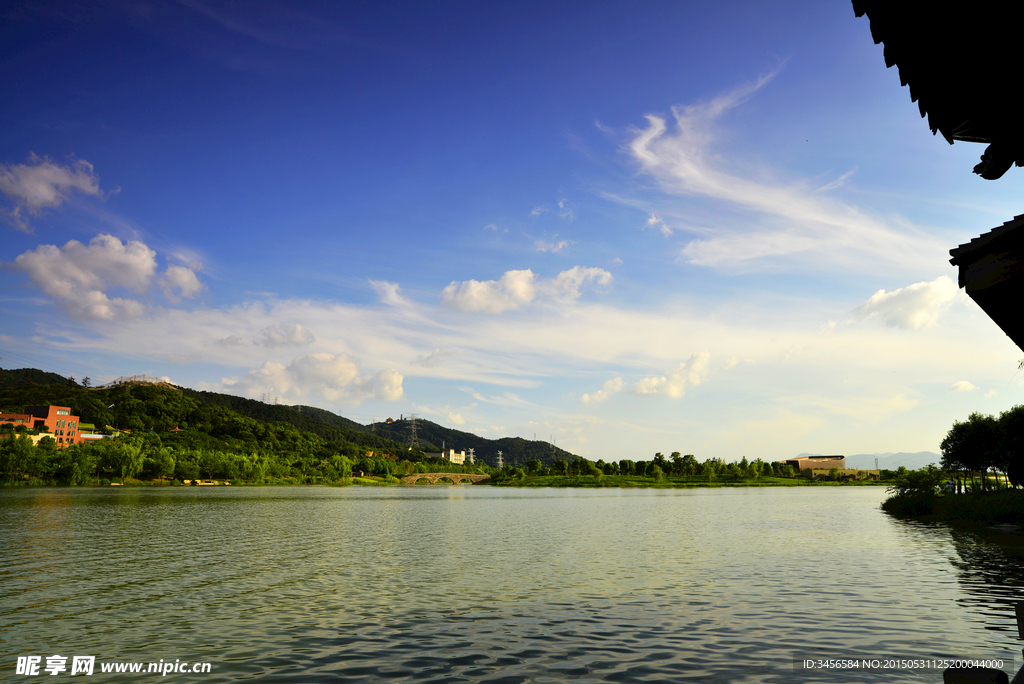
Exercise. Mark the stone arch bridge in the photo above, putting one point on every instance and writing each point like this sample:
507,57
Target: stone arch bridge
456,478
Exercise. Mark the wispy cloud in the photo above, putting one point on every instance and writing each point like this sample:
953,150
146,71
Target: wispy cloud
42,184
556,247
431,360
389,293
564,210
285,335
838,182
789,220
654,221
962,386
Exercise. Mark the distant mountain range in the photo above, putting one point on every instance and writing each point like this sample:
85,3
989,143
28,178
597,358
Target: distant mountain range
890,460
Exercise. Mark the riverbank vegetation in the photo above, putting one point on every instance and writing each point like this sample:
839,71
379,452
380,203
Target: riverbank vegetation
986,455
677,470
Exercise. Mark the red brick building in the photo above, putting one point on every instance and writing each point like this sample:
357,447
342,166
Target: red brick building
57,421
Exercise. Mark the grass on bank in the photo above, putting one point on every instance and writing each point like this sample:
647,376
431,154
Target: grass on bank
977,508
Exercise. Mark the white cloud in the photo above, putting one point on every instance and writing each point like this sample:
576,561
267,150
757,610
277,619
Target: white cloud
231,341
431,360
838,182
961,386
990,394
567,284
456,419
77,276
608,389
516,289
916,306
41,184
278,335
182,279
510,399
654,221
387,385
734,361
513,290
564,211
673,384
332,377
388,292
555,247
538,210
283,335
787,219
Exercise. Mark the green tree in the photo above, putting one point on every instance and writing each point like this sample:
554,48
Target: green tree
924,481
46,459
710,469
677,463
16,457
164,462
1011,433
972,446
128,457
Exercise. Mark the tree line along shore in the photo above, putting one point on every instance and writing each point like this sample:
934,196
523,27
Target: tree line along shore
985,455
162,435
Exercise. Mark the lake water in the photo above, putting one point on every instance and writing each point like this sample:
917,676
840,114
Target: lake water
473,583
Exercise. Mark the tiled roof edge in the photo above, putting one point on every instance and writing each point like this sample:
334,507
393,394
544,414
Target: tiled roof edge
985,238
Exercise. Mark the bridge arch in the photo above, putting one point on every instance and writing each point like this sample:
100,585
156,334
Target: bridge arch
456,478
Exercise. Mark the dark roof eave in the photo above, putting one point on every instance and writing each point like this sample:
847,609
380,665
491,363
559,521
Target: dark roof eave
966,252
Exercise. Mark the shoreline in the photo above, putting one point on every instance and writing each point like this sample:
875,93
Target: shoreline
564,483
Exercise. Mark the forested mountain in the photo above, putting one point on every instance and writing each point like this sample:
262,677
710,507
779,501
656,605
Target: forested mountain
332,418
166,431
325,424
210,423
433,437
24,376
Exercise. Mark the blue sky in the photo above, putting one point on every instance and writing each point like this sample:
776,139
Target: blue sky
715,228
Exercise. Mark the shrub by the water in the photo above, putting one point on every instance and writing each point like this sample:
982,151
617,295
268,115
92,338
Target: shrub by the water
910,505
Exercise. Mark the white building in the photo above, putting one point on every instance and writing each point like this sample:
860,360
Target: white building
454,456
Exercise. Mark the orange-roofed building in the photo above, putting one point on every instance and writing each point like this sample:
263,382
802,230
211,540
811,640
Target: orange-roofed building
57,420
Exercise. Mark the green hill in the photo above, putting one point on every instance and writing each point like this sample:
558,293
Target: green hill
28,376
433,437
219,435
232,423
330,427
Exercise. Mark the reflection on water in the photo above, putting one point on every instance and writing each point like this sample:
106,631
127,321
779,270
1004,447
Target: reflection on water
991,575
487,584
